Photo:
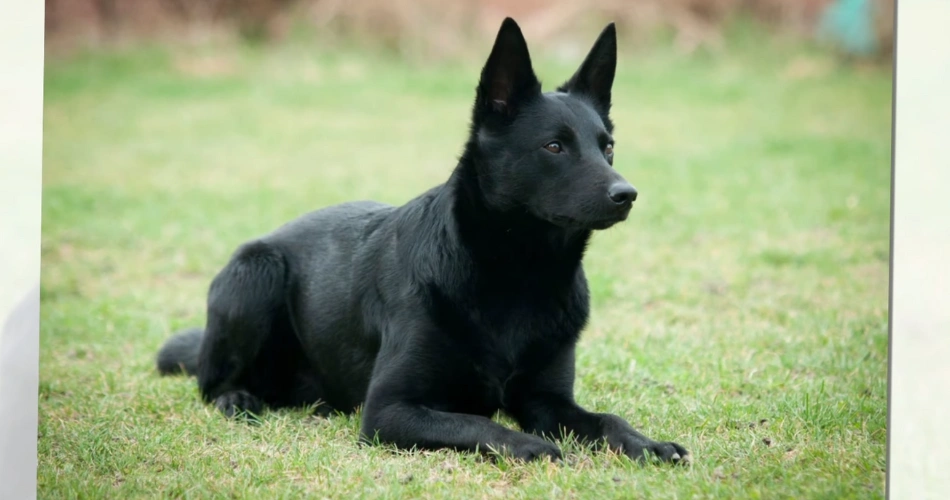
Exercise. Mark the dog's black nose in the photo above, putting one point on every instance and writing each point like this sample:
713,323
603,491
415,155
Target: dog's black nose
622,193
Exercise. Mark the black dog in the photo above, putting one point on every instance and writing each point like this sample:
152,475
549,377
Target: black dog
464,301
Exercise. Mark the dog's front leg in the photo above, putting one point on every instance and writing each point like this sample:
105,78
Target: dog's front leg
545,405
551,414
407,425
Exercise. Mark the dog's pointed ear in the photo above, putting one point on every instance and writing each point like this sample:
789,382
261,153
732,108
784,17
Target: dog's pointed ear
595,77
507,78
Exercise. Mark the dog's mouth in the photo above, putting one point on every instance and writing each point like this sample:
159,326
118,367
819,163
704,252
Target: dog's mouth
589,224
605,224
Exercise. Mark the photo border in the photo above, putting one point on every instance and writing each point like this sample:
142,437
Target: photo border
22,45
919,325
910,383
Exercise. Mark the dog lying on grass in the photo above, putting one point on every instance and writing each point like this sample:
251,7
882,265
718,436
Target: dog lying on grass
434,315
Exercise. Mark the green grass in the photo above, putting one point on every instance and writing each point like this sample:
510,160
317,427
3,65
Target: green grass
741,310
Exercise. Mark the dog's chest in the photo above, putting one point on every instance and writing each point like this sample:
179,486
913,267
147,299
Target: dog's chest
514,340
497,367
495,335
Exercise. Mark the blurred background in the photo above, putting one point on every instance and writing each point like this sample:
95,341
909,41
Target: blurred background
434,28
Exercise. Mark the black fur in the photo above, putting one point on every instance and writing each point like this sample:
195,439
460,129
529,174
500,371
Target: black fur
464,301
180,353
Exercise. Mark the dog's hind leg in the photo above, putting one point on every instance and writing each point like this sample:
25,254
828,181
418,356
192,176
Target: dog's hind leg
247,353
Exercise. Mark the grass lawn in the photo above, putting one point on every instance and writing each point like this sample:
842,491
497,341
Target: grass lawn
741,310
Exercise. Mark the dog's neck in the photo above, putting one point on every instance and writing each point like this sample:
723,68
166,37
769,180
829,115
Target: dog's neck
509,239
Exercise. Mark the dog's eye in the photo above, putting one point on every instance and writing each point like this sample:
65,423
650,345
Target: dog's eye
609,153
554,147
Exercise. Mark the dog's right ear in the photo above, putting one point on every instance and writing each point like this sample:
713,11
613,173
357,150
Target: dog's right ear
507,79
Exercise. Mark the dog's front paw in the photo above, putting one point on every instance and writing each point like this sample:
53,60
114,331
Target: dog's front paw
669,452
641,450
533,449
238,403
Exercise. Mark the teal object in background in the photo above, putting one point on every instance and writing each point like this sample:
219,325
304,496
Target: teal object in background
850,25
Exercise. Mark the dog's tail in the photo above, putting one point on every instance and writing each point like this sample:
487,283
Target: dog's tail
180,353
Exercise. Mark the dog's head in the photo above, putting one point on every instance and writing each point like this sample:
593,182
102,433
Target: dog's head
550,154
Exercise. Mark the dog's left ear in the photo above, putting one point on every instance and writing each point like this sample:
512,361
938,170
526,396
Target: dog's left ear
595,77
